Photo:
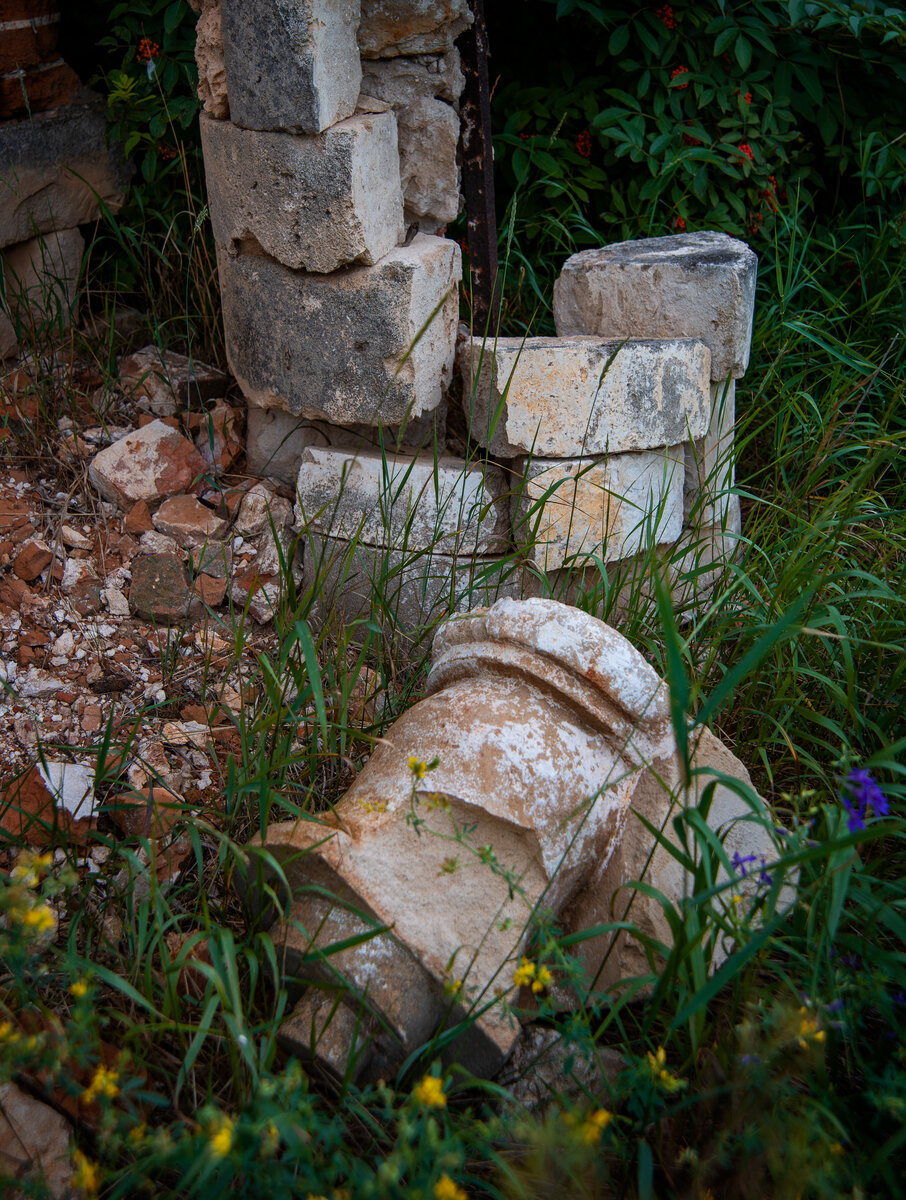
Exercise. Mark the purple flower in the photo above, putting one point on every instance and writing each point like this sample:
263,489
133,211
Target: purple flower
738,863
763,876
862,794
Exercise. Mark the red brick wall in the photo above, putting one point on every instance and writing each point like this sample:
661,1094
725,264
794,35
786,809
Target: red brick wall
33,76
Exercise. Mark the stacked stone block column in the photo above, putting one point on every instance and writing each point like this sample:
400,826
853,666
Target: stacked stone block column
330,139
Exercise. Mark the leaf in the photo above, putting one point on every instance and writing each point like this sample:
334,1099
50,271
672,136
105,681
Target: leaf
619,40
743,52
174,15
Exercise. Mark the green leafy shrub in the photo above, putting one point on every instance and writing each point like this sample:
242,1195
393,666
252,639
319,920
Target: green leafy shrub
623,122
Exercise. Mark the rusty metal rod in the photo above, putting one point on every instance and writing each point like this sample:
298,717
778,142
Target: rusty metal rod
478,173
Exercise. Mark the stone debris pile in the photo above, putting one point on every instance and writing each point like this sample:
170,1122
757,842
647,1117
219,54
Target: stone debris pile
330,138
517,782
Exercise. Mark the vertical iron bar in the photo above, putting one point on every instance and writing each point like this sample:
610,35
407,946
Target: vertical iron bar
478,173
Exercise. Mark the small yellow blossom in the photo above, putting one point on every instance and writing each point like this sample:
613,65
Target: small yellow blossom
809,1031
222,1138
373,806
7,1033
525,973
41,918
542,980
79,989
452,987
418,768
31,868
446,1189
656,1062
86,1177
136,1134
271,1139
594,1125
103,1084
430,1092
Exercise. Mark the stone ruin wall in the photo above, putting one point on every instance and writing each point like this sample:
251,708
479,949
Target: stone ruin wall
330,137
55,169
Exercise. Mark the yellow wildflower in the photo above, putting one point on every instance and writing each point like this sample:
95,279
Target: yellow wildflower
446,1189
594,1125
656,1062
452,987
137,1133
542,980
7,1033
271,1139
430,1092
30,869
373,806
525,973
41,918
79,989
222,1138
809,1031
86,1177
103,1084
418,768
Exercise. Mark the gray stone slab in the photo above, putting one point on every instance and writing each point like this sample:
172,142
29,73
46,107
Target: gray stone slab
403,592
395,27
314,202
580,396
291,64
698,285
572,511
276,441
54,170
419,502
367,344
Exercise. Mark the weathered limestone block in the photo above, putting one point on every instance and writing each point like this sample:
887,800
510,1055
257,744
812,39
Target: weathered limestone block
568,397
276,441
394,27
413,589
367,344
429,171
417,502
698,285
38,281
514,693
710,461
291,64
54,169
571,510
401,81
212,87
315,203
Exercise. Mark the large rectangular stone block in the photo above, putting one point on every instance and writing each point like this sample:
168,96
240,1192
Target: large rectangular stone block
420,502
38,281
608,509
314,202
403,592
366,344
393,27
710,461
697,285
570,397
54,170
291,64
276,441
